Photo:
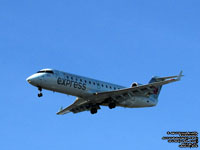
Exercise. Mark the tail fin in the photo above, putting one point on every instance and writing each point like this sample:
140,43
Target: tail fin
164,80
157,89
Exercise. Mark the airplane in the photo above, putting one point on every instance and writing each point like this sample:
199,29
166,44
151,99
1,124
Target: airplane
92,93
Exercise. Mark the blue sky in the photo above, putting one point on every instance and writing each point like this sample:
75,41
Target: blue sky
116,41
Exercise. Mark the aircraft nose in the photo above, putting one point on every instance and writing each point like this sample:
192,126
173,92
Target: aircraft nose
33,79
30,79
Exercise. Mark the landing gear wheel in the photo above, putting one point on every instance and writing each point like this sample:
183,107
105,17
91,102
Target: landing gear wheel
112,105
93,110
40,95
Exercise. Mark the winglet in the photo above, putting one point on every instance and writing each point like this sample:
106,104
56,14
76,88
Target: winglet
180,75
61,108
63,111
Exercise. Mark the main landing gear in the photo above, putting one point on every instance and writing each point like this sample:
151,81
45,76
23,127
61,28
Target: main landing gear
94,109
40,92
110,102
112,105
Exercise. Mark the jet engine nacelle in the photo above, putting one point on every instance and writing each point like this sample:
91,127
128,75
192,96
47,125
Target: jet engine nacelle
135,84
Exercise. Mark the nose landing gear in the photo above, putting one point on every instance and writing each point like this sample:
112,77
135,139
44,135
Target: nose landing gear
40,95
40,92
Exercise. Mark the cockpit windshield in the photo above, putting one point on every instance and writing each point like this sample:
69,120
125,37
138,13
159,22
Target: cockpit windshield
45,71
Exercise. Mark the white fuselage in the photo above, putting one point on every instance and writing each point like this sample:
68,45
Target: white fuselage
83,87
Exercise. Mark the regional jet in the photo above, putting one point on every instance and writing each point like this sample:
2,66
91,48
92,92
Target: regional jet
91,94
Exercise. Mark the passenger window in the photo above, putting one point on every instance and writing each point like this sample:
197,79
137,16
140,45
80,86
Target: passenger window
102,85
110,87
106,86
114,88
97,84
89,82
94,83
72,78
80,80
85,81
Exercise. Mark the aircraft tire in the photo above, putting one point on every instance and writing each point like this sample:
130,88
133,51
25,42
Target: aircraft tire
93,111
40,95
112,105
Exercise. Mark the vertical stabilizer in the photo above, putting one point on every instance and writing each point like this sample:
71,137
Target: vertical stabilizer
158,88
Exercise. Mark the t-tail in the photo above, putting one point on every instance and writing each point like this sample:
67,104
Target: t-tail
159,81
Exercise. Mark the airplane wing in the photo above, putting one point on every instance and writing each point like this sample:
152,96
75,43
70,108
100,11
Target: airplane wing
78,106
98,98
138,90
